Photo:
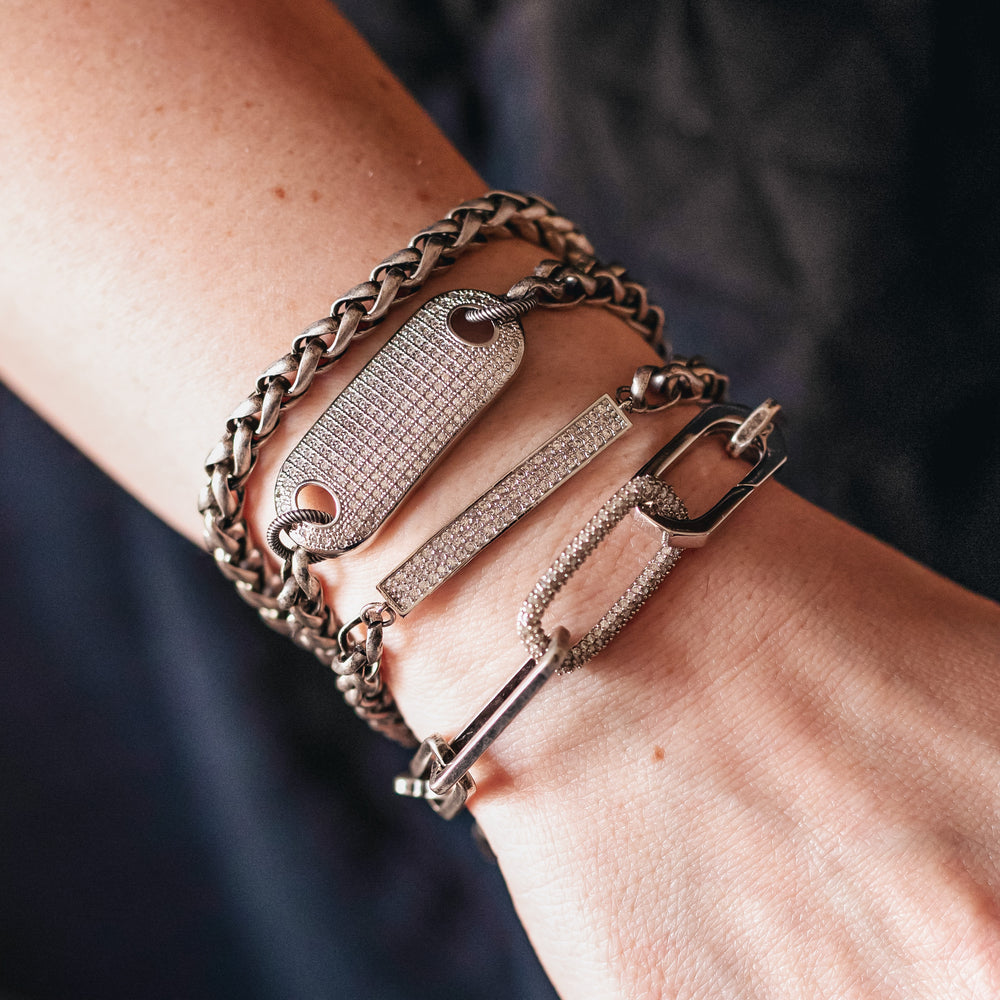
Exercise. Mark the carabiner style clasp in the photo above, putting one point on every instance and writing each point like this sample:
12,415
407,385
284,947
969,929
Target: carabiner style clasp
749,431
439,770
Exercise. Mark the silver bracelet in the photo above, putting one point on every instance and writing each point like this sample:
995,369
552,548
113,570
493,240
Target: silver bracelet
288,596
387,428
439,770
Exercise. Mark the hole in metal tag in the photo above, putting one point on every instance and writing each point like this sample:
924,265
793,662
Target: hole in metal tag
475,334
315,496
420,392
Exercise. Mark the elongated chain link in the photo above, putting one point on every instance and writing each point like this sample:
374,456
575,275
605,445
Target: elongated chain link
290,600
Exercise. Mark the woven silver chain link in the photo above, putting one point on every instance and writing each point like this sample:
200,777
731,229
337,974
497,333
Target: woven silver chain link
290,598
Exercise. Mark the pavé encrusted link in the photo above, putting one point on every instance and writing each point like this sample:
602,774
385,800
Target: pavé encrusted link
501,506
290,599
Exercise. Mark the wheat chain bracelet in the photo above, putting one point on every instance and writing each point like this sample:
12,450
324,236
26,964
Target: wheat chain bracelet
385,430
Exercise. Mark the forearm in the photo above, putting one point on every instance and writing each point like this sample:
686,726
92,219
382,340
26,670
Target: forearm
175,212
186,186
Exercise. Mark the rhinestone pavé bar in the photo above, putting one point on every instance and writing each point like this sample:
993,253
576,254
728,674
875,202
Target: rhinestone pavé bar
500,507
402,411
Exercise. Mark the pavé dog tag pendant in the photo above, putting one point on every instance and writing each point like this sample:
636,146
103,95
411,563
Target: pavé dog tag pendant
396,418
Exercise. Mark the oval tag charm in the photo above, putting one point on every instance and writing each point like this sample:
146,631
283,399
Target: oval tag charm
397,417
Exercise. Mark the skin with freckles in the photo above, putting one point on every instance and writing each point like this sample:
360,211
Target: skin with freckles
779,781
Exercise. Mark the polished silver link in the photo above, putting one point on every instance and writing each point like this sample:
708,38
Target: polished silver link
748,431
753,431
288,601
439,771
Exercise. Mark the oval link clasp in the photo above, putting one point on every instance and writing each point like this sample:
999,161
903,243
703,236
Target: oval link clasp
749,431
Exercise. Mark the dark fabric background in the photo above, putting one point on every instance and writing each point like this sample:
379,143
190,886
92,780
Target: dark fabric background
188,810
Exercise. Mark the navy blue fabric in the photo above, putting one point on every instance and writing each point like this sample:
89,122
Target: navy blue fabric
188,809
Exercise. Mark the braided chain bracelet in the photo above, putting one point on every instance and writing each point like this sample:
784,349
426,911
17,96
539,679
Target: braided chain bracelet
290,598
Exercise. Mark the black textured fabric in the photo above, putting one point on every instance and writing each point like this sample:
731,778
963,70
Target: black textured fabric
810,192
188,809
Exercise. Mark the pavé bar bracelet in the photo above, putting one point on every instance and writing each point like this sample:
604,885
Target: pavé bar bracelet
384,432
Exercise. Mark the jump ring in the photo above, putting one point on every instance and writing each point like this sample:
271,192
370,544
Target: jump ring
290,518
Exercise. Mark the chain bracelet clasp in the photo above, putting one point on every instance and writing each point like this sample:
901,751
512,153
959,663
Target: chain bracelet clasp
439,771
752,431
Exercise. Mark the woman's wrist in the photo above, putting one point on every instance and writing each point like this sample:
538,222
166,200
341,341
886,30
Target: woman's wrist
767,780
445,658
740,696
782,772
572,357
